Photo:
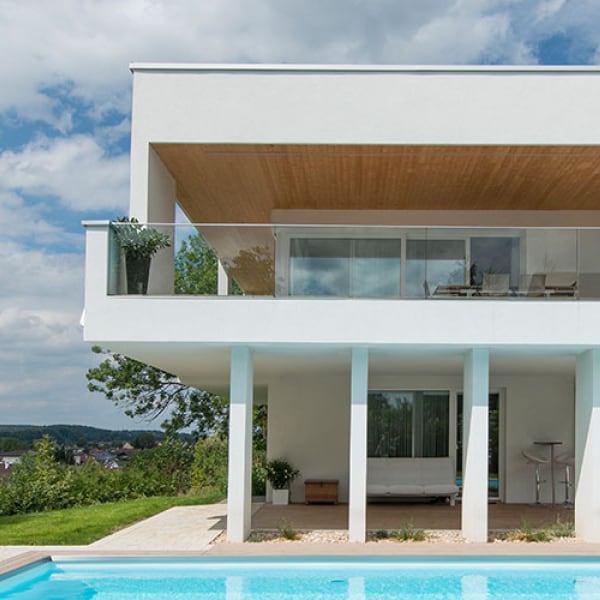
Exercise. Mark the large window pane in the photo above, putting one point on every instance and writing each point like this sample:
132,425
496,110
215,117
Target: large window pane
390,416
319,267
408,423
376,268
496,255
345,267
435,424
430,263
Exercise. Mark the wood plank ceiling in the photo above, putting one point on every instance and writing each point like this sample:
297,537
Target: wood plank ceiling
242,183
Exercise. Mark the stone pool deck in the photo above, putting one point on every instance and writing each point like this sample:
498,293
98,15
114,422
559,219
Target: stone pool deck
199,530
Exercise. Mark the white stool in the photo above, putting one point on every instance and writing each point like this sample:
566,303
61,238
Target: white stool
534,459
568,462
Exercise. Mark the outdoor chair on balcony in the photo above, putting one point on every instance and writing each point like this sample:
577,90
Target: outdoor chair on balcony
532,286
495,284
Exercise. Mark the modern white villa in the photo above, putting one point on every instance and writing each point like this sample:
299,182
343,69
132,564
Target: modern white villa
419,251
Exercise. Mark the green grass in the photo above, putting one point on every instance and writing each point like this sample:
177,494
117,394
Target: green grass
83,525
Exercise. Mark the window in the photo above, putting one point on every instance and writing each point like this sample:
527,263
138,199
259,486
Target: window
408,424
345,267
433,262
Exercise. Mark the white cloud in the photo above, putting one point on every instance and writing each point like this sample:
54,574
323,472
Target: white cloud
75,169
66,63
43,359
85,47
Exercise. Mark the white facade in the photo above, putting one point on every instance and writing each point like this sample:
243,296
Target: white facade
292,146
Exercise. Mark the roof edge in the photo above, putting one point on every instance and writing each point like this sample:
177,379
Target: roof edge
341,68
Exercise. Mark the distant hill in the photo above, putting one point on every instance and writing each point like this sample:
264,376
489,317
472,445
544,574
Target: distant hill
72,435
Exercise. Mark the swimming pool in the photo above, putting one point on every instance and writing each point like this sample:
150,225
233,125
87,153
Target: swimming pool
307,579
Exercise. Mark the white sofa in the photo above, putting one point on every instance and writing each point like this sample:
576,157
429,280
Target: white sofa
414,477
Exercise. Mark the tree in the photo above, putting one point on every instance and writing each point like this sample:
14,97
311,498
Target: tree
196,269
146,439
148,392
145,391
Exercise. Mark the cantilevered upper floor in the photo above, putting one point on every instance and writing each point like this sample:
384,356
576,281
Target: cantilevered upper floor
437,206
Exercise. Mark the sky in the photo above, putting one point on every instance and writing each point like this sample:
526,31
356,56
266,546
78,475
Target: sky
65,93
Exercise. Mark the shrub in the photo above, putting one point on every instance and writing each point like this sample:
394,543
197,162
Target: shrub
408,533
38,482
287,532
209,467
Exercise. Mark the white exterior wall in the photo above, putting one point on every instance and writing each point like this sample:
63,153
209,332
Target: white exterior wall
309,425
309,420
537,408
386,105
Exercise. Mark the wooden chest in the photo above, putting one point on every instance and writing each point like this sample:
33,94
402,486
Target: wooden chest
321,490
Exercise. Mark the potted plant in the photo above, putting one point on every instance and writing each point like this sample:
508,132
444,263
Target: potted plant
280,474
139,244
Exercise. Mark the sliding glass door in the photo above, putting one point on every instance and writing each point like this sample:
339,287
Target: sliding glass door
345,267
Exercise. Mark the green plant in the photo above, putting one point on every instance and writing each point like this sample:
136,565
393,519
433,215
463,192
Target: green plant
209,468
382,534
407,533
562,529
526,533
137,240
287,532
280,473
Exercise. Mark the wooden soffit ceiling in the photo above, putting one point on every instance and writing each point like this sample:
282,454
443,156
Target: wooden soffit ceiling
243,182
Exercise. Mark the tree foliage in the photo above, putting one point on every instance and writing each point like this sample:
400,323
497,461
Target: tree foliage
147,392
144,391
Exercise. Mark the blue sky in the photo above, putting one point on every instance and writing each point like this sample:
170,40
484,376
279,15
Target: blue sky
65,122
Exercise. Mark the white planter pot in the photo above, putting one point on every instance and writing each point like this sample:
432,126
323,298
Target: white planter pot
281,497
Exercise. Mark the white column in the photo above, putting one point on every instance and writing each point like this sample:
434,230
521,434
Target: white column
475,445
587,446
160,208
239,479
222,280
357,504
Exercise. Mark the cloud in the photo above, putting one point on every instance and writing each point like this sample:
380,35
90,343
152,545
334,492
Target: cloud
43,359
82,49
75,170
65,112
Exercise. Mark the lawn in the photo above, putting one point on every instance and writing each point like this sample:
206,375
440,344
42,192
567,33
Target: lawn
83,525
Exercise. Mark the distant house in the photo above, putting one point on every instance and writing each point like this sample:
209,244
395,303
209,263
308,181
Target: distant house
12,457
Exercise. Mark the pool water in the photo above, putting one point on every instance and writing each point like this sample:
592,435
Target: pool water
307,579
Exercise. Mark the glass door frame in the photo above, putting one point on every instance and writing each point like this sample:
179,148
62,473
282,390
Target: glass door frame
501,393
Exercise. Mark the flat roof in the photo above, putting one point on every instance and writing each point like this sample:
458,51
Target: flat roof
341,68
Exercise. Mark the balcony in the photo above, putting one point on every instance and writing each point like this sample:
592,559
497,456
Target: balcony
312,261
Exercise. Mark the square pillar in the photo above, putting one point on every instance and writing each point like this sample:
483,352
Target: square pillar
239,478
357,502
587,446
476,376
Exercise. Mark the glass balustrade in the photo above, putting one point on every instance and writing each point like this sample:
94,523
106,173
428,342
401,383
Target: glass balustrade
355,261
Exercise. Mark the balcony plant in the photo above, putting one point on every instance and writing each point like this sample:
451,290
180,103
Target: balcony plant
139,244
280,473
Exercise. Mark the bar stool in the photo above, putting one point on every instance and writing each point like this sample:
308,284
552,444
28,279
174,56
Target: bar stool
534,459
568,462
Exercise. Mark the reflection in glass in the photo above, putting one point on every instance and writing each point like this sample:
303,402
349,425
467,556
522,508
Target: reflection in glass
430,263
376,268
319,267
494,255
408,423
345,267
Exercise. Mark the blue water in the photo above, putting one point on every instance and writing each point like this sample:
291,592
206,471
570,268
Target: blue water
307,579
